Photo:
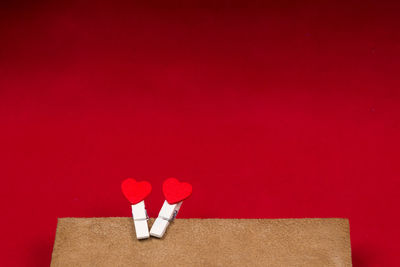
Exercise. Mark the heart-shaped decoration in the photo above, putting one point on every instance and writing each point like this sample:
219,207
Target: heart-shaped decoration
175,191
135,191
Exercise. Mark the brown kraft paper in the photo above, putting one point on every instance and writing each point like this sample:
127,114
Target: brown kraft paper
204,242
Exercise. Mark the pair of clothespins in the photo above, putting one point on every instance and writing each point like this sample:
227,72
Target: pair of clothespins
174,191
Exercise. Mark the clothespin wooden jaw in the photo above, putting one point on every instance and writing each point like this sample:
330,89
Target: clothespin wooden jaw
140,219
167,214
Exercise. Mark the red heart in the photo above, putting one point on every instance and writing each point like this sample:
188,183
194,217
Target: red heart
175,191
135,191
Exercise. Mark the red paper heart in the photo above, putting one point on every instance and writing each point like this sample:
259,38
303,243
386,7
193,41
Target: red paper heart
175,191
135,191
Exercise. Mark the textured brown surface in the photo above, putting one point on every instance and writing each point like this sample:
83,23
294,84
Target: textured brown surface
204,242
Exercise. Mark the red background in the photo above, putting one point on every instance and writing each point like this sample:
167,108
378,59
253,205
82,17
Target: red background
273,110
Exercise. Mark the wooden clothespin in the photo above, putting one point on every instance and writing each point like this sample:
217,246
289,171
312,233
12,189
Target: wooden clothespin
175,192
136,192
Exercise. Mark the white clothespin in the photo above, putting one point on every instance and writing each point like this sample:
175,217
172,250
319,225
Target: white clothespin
167,214
140,218
136,192
174,192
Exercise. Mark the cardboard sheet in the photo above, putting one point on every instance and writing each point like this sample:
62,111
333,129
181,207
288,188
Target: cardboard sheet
204,242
